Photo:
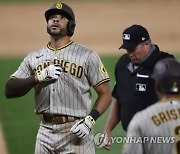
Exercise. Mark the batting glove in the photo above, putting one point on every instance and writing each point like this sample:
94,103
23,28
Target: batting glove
83,127
52,72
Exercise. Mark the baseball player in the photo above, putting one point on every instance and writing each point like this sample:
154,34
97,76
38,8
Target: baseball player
62,74
158,126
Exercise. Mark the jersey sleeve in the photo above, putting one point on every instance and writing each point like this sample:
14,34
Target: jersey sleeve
96,72
134,133
24,70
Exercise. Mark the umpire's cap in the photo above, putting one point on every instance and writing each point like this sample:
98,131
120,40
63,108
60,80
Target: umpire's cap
133,36
167,75
60,8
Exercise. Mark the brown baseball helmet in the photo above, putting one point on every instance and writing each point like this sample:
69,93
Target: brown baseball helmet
167,75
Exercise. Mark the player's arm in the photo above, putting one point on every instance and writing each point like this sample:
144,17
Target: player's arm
83,127
16,87
104,98
98,78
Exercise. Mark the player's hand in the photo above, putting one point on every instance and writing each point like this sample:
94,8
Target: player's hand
106,140
52,72
83,127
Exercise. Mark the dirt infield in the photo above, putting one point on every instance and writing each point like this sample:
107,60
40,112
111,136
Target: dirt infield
99,25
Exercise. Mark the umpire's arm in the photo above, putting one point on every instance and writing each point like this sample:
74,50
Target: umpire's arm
113,117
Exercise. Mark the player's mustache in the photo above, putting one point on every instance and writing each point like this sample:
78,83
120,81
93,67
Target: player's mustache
55,25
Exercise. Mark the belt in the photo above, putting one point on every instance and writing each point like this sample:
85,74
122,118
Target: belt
58,119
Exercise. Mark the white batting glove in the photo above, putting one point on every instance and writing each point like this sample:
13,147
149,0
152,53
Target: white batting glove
52,72
83,127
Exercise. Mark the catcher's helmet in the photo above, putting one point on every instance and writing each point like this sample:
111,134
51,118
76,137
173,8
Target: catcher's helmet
167,75
63,9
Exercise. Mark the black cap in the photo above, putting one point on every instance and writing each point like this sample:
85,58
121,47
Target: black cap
166,74
134,35
60,8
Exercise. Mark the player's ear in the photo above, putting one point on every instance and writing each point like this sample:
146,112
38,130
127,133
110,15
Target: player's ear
71,27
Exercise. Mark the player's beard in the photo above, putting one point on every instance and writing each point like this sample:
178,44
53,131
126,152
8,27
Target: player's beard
61,32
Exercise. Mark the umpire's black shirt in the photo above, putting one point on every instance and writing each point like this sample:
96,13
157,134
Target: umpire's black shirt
134,90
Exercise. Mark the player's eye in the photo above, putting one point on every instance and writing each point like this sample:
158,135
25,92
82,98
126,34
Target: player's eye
51,17
63,17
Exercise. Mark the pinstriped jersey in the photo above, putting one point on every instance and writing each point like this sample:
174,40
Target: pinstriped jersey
157,128
70,94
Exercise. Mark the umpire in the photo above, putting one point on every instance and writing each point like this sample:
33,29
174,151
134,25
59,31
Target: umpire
133,90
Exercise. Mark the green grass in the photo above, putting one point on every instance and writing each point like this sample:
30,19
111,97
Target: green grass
20,123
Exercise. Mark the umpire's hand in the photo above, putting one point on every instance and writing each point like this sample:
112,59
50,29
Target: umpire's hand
106,140
83,127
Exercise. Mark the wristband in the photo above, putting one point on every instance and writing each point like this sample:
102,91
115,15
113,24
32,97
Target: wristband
95,114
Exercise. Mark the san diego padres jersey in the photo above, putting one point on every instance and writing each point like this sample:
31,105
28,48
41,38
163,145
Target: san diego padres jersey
70,94
156,129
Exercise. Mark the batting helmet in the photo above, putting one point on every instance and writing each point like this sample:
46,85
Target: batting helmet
63,9
167,75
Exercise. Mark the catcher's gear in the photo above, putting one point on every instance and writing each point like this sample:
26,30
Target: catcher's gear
51,72
167,75
63,9
83,127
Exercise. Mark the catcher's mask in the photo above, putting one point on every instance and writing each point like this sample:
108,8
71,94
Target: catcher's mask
167,75
63,9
